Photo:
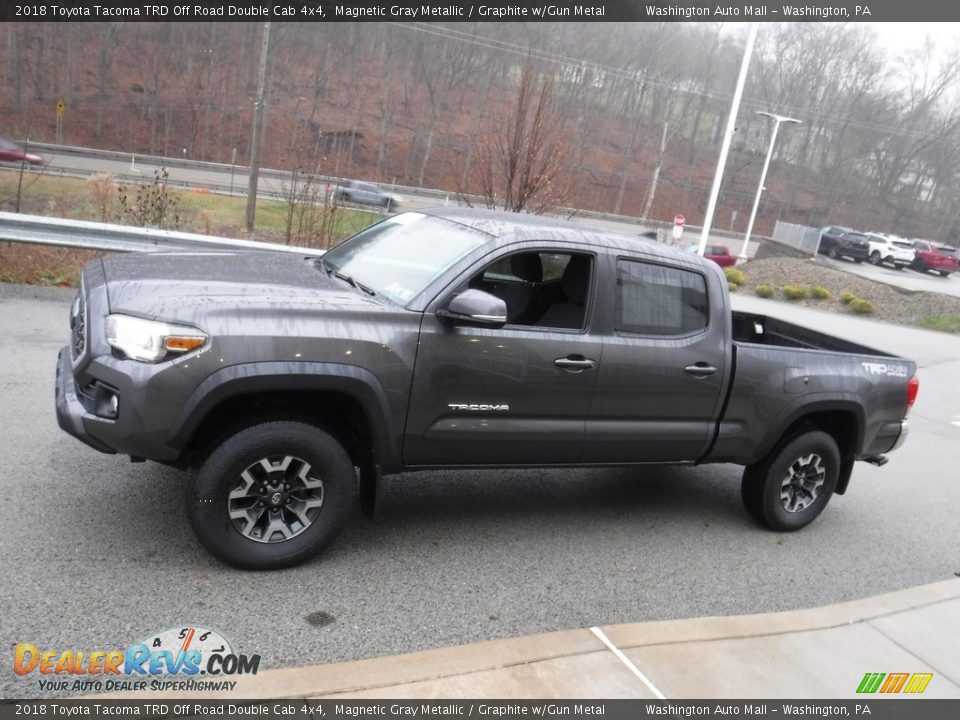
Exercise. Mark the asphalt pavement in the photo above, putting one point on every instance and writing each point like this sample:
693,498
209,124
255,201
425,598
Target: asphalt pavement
907,278
98,554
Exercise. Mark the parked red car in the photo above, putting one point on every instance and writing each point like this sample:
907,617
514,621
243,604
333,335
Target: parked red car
720,254
931,256
11,152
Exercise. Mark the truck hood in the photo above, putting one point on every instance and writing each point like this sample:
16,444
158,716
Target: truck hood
182,287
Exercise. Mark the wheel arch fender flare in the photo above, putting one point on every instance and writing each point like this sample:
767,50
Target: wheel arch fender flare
248,378
816,411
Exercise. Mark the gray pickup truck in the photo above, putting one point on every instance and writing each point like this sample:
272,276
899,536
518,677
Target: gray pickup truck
455,338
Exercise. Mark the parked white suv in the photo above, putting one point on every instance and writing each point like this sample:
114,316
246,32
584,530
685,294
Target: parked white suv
891,249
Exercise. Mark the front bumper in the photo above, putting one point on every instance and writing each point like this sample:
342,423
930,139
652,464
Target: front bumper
70,411
149,400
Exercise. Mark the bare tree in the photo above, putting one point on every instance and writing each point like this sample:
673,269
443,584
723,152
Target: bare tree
520,162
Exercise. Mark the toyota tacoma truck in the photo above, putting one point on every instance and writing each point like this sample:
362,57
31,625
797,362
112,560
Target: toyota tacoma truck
289,385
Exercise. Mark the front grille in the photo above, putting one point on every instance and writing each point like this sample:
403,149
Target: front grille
78,327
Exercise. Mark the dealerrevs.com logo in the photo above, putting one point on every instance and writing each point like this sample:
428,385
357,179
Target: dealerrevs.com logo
178,659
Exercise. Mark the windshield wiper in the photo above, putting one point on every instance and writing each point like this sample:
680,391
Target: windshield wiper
354,283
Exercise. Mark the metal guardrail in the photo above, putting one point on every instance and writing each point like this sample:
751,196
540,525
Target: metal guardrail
15,227
268,175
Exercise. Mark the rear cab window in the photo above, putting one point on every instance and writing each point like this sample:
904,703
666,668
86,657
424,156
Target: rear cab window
659,300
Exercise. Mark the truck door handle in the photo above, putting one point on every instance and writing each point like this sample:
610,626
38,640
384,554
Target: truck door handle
575,363
700,369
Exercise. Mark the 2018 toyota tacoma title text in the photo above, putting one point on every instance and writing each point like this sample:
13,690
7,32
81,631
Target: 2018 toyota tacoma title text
455,338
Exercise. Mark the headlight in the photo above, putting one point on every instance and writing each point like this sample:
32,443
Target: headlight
151,341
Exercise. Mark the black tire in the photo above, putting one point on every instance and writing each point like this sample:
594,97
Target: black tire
875,258
763,483
944,273
208,496
858,260
832,253
920,267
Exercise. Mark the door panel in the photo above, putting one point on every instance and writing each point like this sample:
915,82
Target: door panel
658,390
488,397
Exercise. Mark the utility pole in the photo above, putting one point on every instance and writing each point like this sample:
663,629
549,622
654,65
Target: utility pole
257,131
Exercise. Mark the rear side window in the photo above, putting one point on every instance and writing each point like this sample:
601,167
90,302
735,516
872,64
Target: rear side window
657,300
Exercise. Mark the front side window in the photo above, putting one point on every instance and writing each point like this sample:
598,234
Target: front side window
540,289
398,257
658,300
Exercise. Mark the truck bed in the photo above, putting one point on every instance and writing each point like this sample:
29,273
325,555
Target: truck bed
784,371
763,330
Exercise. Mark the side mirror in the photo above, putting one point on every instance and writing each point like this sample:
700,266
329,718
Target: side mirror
477,308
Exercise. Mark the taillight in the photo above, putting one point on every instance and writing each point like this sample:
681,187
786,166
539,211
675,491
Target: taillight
913,387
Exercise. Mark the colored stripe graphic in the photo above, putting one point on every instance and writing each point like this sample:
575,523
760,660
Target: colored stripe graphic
870,682
894,683
918,683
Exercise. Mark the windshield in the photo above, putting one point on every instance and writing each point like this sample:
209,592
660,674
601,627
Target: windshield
400,256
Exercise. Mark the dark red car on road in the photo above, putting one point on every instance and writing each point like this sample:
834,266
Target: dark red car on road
931,256
12,152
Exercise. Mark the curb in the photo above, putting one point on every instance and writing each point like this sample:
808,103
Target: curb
578,664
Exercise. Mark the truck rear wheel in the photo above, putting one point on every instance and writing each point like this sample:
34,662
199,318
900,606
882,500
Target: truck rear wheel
271,496
789,489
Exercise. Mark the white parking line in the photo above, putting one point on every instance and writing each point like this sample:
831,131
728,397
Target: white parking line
626,661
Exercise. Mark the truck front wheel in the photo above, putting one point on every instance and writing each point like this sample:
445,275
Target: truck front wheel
789,489
271,496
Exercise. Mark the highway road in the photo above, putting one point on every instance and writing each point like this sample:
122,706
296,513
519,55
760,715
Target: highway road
98,555
234,180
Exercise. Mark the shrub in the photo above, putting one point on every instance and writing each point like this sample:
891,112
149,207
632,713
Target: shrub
732,286
944,323
794,292
763,290
819,292
862,307
102,187
735,276
847,297
154,205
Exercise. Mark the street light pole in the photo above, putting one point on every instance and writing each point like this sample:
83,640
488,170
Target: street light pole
257,132
727,137
777,120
